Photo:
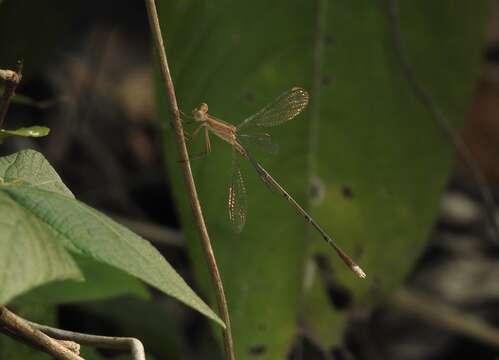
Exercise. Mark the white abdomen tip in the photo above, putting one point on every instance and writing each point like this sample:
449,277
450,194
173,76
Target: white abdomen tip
360,273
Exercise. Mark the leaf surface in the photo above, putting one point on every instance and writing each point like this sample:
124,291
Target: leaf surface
32,131
376,156
46,225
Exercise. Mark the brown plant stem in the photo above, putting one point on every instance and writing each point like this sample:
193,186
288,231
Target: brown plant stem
105,342
70,345
20,327
189,180
12,79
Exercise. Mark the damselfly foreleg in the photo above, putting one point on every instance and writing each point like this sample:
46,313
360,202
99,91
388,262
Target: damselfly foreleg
207,142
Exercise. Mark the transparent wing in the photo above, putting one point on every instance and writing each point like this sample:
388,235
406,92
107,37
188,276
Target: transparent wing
282,109
262,141
237,197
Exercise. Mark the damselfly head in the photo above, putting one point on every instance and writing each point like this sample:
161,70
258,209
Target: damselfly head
200,112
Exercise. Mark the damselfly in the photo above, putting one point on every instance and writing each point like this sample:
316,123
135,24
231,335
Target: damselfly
281,110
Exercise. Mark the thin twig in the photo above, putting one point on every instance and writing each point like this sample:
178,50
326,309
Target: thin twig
104,342
74,347
189,180
445,316
440,119
12,79
22,330
18,325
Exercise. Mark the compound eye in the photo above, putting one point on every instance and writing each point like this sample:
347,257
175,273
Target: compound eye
203,107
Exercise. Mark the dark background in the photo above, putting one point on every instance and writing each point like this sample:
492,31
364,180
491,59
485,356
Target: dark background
93,83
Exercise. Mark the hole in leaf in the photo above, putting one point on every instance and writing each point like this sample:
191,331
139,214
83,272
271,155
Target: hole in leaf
322,263
329,40
347,192
250,96
340,297
257,350
326,80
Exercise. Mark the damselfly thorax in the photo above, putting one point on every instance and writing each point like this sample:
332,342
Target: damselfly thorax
220,128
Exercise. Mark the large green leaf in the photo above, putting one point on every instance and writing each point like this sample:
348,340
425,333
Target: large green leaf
31,168
378,156
45,224
29,256
389,160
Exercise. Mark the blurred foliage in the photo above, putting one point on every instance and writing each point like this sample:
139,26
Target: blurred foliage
44,223
378,158
32,131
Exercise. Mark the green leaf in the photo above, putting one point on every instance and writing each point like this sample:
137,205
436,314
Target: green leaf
85,231
32,131
29,257
101,282
379,159
44,222
30,168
